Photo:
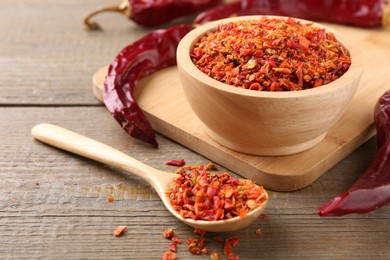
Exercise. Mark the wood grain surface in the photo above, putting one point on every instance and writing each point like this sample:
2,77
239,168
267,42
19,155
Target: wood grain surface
53,205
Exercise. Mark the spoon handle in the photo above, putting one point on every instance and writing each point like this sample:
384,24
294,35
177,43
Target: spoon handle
75,143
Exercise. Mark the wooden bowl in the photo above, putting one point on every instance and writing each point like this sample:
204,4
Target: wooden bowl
260,122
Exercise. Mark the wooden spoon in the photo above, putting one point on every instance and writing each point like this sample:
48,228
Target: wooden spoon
92,149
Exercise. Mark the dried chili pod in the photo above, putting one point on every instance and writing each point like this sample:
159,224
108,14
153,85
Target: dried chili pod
372,189
154,51
364,13
153,13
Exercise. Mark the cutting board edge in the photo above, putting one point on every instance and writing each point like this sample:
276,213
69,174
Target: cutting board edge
278,182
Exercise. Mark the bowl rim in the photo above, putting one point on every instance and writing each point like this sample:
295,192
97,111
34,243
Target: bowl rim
187,42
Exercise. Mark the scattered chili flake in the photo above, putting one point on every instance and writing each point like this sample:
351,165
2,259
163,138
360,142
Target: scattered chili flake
262,216
229,243
215,256
233,241
120,230
199,232
169,256
179,163
200,195
258,232
211,166
110,198
196,246
173,247
169,233
176,240
271,54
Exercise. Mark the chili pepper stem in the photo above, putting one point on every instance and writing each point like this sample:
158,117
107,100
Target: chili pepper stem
123,8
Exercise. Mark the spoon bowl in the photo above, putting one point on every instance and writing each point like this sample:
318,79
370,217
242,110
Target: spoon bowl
159,180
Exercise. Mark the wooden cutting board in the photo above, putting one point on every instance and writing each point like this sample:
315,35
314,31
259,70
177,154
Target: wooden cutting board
161,97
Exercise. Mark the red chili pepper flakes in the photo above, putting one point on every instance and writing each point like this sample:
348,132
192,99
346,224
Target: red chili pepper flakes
179,163
209,167
262,216
258,232
271,54
201,195
169,256
196,246
169,233
215,256
173,247
176,240
120,230
229,243
199,232
110,198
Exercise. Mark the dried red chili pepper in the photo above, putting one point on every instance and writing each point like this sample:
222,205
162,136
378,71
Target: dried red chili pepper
153,13
364,13
154,51
372,189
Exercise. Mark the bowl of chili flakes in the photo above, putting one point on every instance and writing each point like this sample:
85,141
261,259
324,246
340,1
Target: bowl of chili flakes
267,85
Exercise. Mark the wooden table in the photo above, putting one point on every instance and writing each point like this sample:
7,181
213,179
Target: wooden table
53,205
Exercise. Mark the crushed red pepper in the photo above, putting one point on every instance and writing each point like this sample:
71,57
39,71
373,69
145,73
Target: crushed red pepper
173,247
196,246
199,232
262,216
202,195
176,240
179,163
169,256
229,243
169,233
215,256
258,232
271,54
120,230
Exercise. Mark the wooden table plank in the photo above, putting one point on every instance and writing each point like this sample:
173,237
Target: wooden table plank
53,205
46,40
67,214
